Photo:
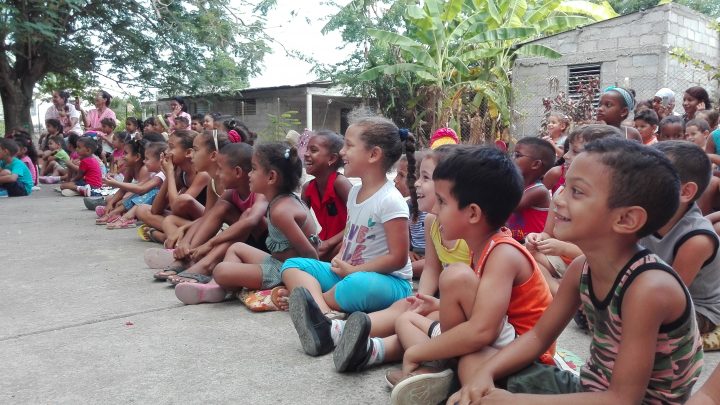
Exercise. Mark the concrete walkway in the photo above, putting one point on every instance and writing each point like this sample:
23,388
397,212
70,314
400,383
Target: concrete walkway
82,321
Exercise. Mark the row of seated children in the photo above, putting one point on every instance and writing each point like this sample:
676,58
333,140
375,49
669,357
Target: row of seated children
371,271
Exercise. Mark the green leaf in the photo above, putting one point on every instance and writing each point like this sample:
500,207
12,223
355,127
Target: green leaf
494,12
504,34
474,23
415,12
452,9
374,73
562,23
482,53
542,12
459,65
538,50
598,12
394,38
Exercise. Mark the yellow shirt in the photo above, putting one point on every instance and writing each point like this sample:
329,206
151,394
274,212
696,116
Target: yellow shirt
460,253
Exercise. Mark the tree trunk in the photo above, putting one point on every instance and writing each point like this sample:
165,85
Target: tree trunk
16,102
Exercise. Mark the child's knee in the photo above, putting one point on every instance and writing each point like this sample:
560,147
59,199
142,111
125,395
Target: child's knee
183,203
221,272
456,274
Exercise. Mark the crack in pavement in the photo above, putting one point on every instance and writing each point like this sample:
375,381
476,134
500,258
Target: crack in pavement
89,322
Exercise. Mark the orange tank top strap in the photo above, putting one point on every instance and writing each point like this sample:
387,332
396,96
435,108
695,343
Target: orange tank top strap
528,300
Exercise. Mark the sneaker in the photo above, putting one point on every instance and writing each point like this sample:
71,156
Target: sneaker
427,388
312,326
92,203
581,320
69,193
353,352
3,193
36,188
85,190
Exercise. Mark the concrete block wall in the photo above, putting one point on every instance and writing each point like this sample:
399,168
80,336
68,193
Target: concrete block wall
633,51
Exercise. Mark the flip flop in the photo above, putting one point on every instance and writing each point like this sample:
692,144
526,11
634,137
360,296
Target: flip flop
122,224
199,278
192,293
159,258
163,275
146,233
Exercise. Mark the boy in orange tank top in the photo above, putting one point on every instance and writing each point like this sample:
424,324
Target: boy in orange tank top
482,308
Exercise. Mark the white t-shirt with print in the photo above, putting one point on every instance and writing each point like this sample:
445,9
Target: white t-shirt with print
364,237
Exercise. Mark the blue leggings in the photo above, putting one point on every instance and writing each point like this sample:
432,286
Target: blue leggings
362,291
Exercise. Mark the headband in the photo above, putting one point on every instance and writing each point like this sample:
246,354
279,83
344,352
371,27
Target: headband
162,121
629,101
214,132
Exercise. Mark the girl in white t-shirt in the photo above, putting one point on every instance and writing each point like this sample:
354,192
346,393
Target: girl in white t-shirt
372,269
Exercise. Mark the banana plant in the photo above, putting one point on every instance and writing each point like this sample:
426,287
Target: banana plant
464,50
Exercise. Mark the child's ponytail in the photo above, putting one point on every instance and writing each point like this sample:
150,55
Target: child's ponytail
409,143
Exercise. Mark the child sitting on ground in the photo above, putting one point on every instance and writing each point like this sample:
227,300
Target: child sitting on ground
117,168
482,308
56,160
28,154
186,209
553,255
558,125
106,137
133,126
697,131
533,157
371,338
182,179
87,174
327,193
672,127
276,173
688,241
15,177
122,216
646,122
417,218
53,127
645,345
372,269
135,172
201,249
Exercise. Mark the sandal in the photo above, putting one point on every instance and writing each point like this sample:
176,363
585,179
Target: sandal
711,340
186,276
168,272
146,233
160,258
122,223
106,219
264,300
192,293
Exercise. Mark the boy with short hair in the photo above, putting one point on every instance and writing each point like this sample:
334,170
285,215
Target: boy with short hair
482,308
646,122
645,345
671,127
181,123
533,157
688,241
88,174
15,177
697,132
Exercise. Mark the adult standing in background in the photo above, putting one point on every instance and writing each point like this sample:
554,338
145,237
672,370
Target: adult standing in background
102,110
664,102
178,109
64,112
695,99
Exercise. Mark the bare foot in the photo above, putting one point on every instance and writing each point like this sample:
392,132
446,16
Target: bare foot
279,297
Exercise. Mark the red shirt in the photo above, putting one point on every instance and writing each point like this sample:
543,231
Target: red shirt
331,211
91,171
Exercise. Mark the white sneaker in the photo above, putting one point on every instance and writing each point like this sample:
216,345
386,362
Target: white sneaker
69,193
86,190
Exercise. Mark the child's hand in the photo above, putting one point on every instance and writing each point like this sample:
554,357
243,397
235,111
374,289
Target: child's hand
423,304
341,267
472,393
532,239
550,247
172,240
410,362
166,164
200,251
109,181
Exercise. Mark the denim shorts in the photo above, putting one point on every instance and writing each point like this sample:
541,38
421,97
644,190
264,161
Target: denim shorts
362,291
136,199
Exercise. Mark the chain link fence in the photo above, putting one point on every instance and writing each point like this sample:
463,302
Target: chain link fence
529,111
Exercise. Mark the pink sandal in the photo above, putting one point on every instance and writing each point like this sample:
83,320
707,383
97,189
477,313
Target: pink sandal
122,223
196,293
159,258
106,219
